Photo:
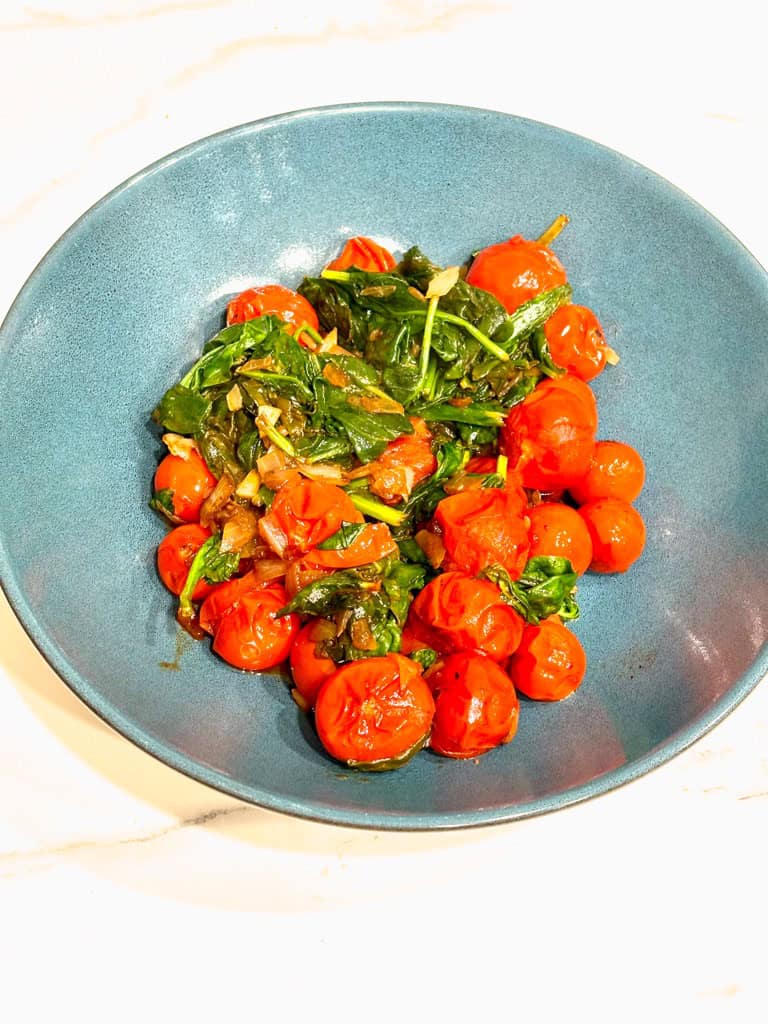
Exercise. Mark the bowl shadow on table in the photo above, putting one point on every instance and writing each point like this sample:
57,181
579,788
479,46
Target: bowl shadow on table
226,853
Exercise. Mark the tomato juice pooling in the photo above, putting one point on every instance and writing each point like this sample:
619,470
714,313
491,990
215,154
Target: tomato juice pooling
390,479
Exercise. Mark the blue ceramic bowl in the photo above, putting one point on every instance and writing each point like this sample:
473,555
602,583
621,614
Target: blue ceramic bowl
125,300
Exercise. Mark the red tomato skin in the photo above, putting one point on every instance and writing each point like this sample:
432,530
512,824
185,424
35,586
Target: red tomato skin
558,530
375,709
550,436
576,341
374,542
292,308
309,668
405,462
481,527
303,515
249,636
617,470
617,531
476,706
191,482
224,597
515,271
457,612
365,254
550,663
175,555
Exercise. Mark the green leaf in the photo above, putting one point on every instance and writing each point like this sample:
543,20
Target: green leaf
250,448
545,588
162,501
346,534
225,350
426,496
530,316
477,415
181,410
425,657
210,564
330,594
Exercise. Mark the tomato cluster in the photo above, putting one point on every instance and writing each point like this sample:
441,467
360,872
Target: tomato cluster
565,494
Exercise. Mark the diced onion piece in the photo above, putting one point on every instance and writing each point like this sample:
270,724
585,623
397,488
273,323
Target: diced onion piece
269,569
432,546
240,529
234,398
216,500
249,486
361,634
274,536
265,363
268,414
184,447
612,357
329,341
442,283
416,294
327,472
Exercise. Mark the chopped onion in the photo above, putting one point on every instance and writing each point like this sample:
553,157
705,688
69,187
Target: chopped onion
274,536
269,569
327,472
249,486
234,398
184,447
241,527
612,357
432,546
216,500
361,634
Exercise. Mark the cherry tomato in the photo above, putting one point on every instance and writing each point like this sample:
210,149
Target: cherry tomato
375,711
559,530
515,271
309,667
483,464
372,543
616,471
365,254
476,707
617,531
292,308
224,597
550,662
550,436
175,555
462,613
480,527
404,463
300,574
303,515
190,482
250,636
576,341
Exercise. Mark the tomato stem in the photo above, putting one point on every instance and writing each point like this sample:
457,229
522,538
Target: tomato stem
375,509
554,229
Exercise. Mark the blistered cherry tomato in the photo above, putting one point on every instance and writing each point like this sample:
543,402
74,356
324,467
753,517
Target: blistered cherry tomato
476,707
365,254
303,515
404,463
616,471
550,662
617,531
292,308
372,543
375,712
515,271
550,436
480,527
190,482
309,667
175,555
462,613
576,341
250,636
224,597
560,531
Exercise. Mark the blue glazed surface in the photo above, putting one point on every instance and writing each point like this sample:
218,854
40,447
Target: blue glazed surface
126,298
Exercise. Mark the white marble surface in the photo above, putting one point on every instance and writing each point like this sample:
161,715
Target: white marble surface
128,891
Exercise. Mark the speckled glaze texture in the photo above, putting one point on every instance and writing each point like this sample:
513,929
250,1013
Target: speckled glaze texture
125,300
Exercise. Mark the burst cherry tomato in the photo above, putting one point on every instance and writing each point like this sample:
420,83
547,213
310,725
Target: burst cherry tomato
250,636
365,254
576,341
224,597
476,707
617,531
550,662
303,515
616,471
515,271
462,613
309,667
375,712
559,530
292,308
550,436
175,555
483,527
372,543
404,463
190,482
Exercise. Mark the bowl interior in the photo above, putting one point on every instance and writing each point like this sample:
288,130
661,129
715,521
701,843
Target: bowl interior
125,300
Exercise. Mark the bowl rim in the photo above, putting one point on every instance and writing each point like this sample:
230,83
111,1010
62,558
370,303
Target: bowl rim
312,811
